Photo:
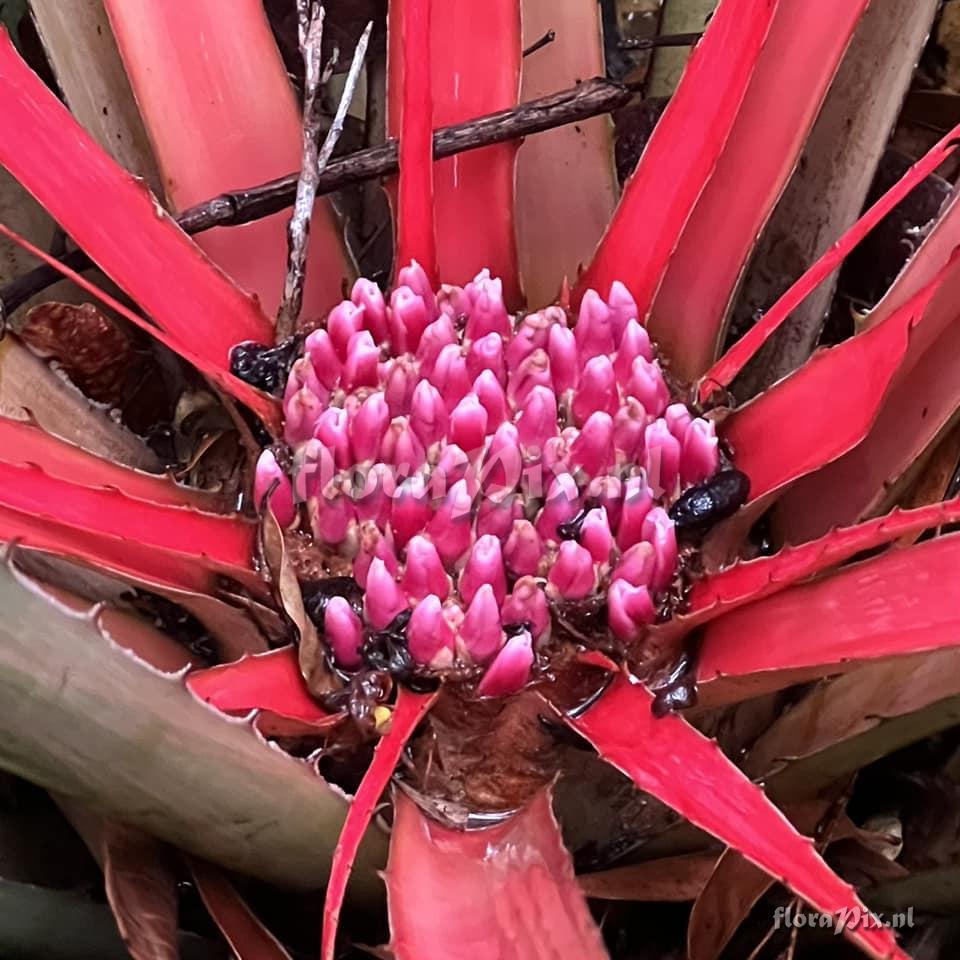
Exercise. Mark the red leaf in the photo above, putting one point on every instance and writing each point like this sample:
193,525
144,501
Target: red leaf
123,557
129,235
248,938
259,403
22,442
267,681
410,709
904,601
749,581
825,408
675,763
922,401
244,129
223,543
416,238
799,59
722,373
507,891
474,57
681,154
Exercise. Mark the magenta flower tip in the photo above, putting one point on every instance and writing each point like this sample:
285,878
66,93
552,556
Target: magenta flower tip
480,633
423,572
629,610
430,636
484,566
344,632
269,477
383,599
511,668
572,576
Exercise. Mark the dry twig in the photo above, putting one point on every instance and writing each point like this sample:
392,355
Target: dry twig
315,157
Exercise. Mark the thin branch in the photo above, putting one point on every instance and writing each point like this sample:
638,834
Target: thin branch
545,40
588,99
310,32
666,40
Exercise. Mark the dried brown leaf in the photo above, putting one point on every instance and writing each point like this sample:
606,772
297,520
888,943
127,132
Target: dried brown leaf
316,670
141,886
672,880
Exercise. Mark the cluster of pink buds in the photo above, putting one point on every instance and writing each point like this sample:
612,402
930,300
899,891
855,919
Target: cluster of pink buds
477,468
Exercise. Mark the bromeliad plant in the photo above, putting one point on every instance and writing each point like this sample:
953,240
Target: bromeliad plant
474,515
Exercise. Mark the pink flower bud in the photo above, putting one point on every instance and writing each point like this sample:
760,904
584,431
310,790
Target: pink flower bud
646,383
592,451
402,448
527,604
487,312
532,333
423,573
366,294
344,321
332,516
304,377
368,427
400,380
409,317
629,427
596,536
491,395
658,530
533,371
699,457
561,506
635,342
623,309
453,301
503,462
326,364
332,431
343,632
450,527
480,631
430,637
636,566
450,375
372,501
487,354
564,359
439,334
661,458
594,329
572,575
383,599
523,550
313,469
538,418
495,515
410,510
637,503
629,610
555,458
607,492
468,424
510,670
361,367
452,467
415,277
428,413
300,415
597,390
373,544
678,419
484,565
268,476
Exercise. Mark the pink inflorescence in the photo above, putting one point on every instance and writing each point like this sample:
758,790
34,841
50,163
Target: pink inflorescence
476,466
